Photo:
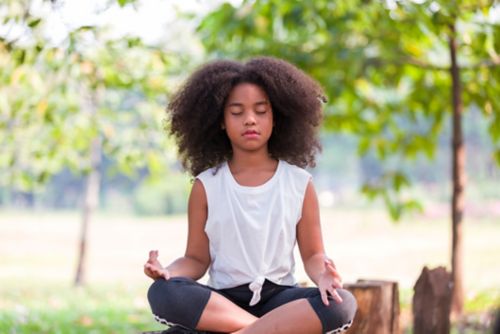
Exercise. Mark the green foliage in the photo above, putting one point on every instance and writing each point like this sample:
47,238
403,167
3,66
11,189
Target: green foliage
384,65
56,99
486,299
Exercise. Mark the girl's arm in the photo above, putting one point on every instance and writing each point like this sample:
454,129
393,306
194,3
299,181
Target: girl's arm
196,259
318,267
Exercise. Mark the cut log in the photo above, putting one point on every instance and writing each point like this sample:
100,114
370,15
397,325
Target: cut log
378,307
432,302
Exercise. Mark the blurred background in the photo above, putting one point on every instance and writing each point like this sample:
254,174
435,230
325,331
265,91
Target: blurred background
409,175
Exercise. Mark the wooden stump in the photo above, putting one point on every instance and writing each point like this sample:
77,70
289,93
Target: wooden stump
432,302
378,307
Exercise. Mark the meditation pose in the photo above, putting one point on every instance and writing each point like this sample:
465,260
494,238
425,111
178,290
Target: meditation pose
245,132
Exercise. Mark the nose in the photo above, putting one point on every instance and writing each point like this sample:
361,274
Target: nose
249,118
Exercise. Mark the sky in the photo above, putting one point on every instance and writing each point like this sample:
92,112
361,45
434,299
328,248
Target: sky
148,19
151,20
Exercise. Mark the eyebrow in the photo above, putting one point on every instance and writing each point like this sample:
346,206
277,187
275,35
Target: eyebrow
239,104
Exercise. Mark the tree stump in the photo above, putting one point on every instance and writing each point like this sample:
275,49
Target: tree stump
378,307
432,302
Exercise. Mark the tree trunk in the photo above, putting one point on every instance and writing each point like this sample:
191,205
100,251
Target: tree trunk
91,199
432,301
378,307
458,174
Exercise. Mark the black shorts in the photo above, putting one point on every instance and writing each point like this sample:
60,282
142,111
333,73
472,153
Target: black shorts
181,301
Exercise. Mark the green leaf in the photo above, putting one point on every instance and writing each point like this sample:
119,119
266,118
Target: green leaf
34,22
123,3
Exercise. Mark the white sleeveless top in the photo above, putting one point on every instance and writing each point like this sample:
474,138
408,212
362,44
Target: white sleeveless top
252,230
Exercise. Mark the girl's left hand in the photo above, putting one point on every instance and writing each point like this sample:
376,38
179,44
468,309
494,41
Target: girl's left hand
328,282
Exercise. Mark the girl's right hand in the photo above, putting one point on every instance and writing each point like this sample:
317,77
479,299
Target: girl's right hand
153,267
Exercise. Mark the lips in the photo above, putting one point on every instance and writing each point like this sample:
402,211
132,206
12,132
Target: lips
250,134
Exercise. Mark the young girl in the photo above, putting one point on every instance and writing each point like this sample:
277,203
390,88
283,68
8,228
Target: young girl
246,131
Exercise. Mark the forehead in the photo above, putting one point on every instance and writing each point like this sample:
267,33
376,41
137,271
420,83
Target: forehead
247,92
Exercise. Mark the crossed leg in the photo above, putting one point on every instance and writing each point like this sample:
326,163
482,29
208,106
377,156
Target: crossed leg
222,315
185,302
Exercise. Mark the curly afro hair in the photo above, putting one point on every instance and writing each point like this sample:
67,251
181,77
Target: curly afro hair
196,112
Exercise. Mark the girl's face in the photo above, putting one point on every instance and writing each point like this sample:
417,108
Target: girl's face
248,118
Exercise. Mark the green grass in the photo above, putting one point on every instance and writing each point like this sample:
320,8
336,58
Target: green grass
58,308
38,253
482,301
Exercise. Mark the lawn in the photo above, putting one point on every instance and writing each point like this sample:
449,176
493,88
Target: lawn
30,307
38,253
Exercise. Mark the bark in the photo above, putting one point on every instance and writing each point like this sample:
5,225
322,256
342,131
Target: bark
378,307
458,179
91,200
432,301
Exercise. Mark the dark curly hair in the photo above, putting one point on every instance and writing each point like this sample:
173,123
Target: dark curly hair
196,112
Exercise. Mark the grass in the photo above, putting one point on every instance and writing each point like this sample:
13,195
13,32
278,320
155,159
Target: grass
59,308
38,252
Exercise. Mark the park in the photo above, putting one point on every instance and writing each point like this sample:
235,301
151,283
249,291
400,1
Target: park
407,177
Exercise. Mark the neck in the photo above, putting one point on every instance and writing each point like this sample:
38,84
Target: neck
250,160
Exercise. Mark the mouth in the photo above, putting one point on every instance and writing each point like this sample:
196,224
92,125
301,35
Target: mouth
250,134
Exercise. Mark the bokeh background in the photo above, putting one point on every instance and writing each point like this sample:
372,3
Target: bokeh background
90,182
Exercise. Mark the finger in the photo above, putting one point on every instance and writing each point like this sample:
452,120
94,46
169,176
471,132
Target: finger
335,273
149,268
331,268
324,296
329,261
153,255
157,270
148,272
337,283
166,274
335,295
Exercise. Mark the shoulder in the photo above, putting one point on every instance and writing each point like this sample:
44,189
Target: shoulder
210,173
295,171
296,179
212,179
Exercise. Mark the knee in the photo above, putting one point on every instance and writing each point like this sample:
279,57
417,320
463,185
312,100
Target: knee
179,300
346,309
337,317
165,296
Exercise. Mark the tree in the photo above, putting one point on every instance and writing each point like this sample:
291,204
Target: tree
66,104
385,65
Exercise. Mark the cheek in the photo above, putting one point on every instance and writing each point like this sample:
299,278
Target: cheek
270,121
230,128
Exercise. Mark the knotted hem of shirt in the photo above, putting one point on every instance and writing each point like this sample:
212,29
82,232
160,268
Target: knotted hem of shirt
256,288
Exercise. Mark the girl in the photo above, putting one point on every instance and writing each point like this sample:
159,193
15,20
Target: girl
245,131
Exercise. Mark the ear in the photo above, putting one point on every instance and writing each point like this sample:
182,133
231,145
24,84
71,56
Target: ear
222,126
